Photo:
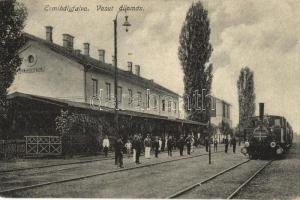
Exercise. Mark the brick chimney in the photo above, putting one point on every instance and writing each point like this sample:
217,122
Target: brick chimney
68,41
49,33
86,49
137,70
129,66
101,53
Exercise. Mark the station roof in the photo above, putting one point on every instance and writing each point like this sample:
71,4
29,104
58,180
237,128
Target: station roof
82,105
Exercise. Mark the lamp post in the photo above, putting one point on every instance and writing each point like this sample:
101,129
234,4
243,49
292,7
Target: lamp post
125,24
209,131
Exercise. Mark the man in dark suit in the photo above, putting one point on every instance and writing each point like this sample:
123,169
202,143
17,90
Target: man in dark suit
188,142
170,145
226,144
206,143
119,146
156,146
233,142
181,143
215,145
137,146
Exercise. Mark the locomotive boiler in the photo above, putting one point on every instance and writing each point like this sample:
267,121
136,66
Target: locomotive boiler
267,135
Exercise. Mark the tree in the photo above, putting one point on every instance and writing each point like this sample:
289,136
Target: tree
194,52
12,18
246,95
63,123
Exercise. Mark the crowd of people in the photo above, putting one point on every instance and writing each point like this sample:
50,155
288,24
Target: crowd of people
137,144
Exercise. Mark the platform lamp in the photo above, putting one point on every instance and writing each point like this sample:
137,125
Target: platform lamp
126,24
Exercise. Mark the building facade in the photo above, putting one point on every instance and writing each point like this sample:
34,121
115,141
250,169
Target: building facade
220,112
61,72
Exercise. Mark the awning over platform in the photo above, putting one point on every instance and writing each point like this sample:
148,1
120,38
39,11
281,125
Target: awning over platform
67,103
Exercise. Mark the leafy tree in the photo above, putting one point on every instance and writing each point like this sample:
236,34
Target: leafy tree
83,129
12,18
194,53
246,95
64,123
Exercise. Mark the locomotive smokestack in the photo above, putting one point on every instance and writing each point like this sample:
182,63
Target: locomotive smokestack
261,111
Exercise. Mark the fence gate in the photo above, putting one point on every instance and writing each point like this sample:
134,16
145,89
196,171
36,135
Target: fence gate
43,145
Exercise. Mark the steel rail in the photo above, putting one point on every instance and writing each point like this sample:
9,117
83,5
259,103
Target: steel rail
189,188
7,191
54,165
233,194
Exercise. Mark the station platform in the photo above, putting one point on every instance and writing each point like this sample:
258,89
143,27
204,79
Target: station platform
19,164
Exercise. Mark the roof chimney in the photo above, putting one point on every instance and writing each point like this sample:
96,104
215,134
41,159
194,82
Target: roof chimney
129,66
101,53
49,33
86,49
137,70
68,41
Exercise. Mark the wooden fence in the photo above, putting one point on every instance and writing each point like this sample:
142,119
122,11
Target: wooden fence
12,148
43,145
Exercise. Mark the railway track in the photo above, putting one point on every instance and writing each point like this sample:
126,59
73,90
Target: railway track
233,194
17,189
54,165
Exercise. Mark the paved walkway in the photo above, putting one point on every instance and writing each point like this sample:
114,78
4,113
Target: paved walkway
39,162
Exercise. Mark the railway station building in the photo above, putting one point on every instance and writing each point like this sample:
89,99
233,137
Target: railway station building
56,77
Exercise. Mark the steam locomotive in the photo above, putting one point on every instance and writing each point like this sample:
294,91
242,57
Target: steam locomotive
267,135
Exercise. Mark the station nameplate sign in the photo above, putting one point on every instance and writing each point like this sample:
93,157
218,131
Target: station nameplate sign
31,70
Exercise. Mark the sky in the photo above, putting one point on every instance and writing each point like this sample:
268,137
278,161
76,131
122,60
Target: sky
263,35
